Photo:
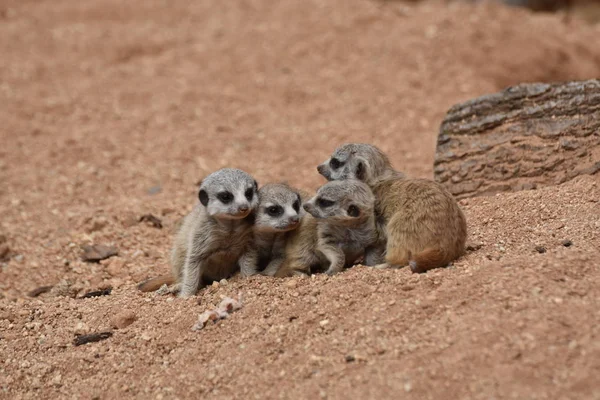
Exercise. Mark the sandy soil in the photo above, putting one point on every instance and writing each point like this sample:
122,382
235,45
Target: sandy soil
112,110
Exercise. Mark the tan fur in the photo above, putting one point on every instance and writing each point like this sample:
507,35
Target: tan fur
300,250
425,227
419,221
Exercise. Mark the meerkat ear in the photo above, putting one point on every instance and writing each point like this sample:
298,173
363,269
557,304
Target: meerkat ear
203,196
353,211
255,185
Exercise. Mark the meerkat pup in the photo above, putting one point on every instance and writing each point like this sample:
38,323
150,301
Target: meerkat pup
340,227
214,236
300,254
420,224
278,214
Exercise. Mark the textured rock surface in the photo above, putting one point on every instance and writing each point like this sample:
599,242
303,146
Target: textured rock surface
524,137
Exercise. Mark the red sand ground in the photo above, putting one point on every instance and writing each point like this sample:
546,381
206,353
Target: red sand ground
105,103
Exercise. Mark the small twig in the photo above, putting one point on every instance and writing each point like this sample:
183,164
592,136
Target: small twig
92,337
97,293
40,290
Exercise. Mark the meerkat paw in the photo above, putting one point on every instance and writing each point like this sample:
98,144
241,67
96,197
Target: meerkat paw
381,266
332,271
174,289
185,292
166,289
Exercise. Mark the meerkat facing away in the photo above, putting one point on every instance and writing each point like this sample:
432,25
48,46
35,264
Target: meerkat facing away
278,214
344,222
419,222
215,234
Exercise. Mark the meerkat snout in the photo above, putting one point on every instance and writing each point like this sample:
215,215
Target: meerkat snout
309,208
323,169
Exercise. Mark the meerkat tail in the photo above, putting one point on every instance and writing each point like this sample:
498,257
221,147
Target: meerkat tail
427,259
155,283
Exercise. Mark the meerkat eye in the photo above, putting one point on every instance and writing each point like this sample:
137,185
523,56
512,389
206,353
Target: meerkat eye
225,197
274,211
249,193
296,205
353,211
334,163
324,203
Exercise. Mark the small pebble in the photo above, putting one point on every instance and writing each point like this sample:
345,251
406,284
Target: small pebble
566,243
123,319
56,381
154,190
98,252
291,284
540,249
116,267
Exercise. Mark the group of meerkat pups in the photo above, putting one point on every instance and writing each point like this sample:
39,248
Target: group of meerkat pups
366,213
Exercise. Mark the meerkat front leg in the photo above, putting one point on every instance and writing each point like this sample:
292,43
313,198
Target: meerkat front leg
336,258
248,262
192,269
191,277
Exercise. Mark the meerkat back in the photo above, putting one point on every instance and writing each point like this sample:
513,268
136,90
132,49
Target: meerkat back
425,226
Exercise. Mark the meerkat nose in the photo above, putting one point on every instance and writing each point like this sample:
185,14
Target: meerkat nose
320,168
294,220
306,207
244,208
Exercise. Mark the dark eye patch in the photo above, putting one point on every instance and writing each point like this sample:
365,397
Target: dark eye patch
296,205
203,196
324,203
249,193
225,197
274,211
334,163
353,211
